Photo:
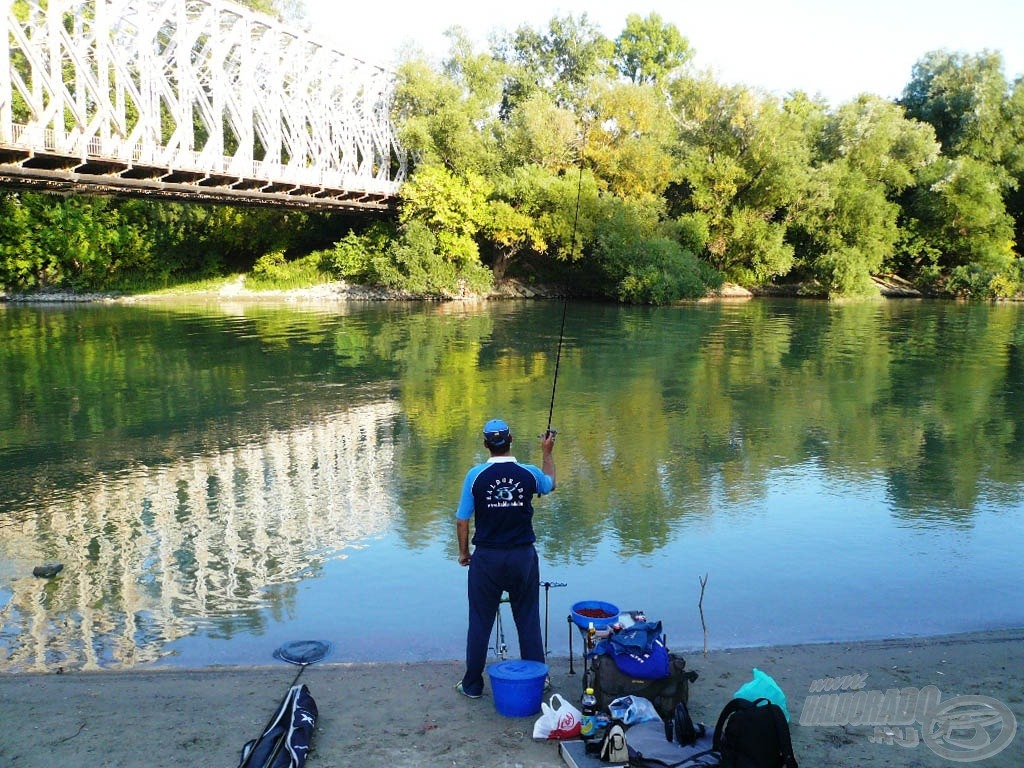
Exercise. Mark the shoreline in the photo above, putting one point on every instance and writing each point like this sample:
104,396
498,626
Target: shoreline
401,715
889,288
236,290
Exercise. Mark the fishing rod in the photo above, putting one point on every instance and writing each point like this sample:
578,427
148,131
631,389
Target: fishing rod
565,299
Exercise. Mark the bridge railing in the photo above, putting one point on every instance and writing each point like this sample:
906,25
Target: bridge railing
173,96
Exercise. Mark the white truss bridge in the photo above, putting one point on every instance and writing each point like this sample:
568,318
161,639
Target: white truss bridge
193,100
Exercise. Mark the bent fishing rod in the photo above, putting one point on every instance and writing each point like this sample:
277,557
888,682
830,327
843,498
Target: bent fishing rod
565,300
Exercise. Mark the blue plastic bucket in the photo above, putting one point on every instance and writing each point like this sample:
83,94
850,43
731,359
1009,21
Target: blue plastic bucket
518,687
610,613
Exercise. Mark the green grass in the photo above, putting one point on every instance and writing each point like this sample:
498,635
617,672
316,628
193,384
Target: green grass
269,273
273,273
134,286
204,285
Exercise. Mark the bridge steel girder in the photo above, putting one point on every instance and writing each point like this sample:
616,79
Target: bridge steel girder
201,99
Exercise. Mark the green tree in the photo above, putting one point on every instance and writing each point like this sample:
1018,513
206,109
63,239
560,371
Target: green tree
354,256
630,142
562,209
513,223
452,209
847,224
963,217
744,160
1015,162
959,235
563,60
440,119
499,171
414,263
78,243
848,228
640,261
539,132
965,98
649,50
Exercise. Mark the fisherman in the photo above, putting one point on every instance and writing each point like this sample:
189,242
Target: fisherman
498,495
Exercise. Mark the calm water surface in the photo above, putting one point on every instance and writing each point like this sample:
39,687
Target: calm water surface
220,479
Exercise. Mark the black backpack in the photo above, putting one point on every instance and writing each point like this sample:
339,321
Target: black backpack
753,734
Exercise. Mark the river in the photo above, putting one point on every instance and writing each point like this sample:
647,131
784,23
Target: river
221,478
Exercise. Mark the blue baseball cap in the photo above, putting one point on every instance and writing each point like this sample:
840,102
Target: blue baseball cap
497,433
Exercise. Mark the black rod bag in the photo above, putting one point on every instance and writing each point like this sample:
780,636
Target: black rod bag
285,742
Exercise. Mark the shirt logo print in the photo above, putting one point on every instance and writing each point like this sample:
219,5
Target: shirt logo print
505,492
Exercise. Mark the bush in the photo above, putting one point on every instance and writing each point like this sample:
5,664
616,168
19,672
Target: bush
415,264
349,259
353,257
270,267
659,271
977,282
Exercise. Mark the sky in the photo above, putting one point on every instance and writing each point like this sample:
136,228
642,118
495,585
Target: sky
833,48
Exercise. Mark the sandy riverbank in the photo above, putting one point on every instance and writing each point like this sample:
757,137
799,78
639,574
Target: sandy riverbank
400,715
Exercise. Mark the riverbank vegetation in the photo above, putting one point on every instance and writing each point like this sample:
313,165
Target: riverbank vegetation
617,169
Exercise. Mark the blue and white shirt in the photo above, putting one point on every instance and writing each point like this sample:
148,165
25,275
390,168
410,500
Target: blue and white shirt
500,494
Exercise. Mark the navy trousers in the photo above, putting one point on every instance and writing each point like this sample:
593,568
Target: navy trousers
492,572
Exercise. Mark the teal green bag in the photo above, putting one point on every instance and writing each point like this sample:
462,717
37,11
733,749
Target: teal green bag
762,686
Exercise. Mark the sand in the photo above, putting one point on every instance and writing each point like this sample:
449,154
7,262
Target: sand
400,715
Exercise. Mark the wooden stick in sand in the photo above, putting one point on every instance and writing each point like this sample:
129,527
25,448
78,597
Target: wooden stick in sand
700,606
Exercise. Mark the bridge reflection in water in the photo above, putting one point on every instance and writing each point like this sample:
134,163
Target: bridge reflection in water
152,553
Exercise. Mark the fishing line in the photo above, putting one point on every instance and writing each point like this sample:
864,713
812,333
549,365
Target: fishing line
565,301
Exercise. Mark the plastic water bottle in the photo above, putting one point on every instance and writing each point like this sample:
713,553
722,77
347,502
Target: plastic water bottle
588,706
